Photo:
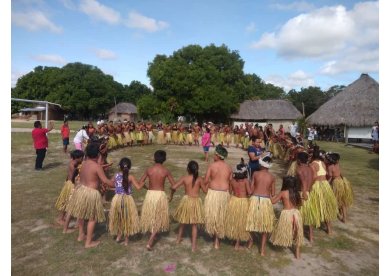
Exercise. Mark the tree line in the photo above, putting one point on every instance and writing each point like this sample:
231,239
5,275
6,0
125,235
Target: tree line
201,83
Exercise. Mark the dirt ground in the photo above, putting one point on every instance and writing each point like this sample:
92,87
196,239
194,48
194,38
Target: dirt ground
39,247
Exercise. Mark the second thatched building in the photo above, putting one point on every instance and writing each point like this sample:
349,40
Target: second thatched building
264,112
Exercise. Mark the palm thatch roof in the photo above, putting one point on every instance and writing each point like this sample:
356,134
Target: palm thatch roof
356,105
267,110
124,108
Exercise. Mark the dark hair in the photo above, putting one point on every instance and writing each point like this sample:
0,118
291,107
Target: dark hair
303,157
290,183
160,156
333,157
240,172
316,152
125,166
37,124
92,150
267,159
193,169
75,173
207,129
75,154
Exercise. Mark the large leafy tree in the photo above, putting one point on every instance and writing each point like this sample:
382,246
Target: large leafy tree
84,91
197,82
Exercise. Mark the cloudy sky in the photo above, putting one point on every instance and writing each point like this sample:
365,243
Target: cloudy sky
291,44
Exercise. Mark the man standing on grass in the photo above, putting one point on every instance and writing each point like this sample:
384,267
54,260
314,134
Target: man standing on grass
41,142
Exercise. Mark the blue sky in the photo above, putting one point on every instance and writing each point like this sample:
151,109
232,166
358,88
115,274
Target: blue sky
291,44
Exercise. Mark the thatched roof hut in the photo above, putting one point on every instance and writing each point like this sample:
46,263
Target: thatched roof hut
123,111
355,106
267,111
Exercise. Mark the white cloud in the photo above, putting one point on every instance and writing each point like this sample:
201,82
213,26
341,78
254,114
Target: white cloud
69,4
105,54
99,12
295,80
15,75
297,6
251,28
330,34
34,21
139,21
50,58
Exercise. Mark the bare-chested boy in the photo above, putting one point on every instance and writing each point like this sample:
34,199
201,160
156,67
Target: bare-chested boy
217,179
155,209
86,203
261,217
305,175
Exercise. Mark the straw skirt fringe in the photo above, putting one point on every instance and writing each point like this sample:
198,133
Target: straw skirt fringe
260,216
237,218
292,169
64,196
190,211
343,192
323,205
278,151
289,229
155,212
123,216
307,210
215,209
86,203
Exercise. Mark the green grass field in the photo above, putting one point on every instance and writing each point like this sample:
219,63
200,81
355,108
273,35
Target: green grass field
40,248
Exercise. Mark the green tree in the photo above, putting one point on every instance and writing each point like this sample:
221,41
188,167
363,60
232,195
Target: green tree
312,98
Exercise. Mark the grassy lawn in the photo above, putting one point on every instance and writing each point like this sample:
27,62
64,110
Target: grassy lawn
74,125
40,248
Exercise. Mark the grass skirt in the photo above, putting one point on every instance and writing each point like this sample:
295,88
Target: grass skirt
111,142
189,138
228,138
215,209
133,136
260,215
155,212
323,206
237,218
287,154
307,211
64,196
160,138
175,136
119,139
127,137
292,171
343,192
278,151
190,211
284,232
168,137
123,216
86,203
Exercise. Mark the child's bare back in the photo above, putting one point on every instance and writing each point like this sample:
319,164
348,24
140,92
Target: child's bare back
240,187
264,183
219,174
157,175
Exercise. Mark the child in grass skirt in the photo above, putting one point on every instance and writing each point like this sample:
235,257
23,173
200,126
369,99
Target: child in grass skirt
190,210
340,185
123,214
68,187
260,216
289,229
238,206
324,206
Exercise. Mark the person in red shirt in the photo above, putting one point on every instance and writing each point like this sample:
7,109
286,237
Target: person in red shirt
41,142
65,132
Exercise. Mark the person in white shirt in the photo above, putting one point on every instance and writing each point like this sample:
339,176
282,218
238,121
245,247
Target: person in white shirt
293,129
80,137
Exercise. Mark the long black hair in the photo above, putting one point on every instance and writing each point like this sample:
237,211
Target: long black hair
193,169
125,166
290,183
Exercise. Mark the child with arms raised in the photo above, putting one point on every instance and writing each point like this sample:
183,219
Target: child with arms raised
190,210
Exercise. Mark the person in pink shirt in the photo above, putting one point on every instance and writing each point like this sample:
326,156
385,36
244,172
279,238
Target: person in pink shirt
65,132
41,142
206,142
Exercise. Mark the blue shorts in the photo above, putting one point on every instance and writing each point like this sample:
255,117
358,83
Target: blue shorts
65,141
206,148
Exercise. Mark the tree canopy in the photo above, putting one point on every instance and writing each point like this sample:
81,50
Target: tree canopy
82,90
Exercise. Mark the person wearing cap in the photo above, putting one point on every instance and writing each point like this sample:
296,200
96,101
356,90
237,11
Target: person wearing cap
261,217
217,179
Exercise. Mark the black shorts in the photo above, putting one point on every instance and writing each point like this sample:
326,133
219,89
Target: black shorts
65,141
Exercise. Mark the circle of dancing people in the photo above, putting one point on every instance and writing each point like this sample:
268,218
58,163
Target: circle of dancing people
238,202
